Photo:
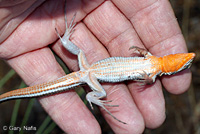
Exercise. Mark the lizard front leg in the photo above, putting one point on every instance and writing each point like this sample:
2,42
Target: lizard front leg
144,78
142,51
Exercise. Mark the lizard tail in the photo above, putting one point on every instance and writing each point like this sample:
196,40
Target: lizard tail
62,84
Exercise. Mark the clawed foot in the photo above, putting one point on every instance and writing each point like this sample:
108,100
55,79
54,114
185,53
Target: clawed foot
142,51
102,103
92,98
111,113
144,79
71,47
69,30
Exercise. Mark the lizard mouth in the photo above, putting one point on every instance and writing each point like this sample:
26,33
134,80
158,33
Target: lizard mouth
188,64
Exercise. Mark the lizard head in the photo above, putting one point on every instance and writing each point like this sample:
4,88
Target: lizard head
176,62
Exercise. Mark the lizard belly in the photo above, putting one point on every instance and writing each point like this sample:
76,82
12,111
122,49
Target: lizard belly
117,69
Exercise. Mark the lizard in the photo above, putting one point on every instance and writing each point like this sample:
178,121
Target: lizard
143,69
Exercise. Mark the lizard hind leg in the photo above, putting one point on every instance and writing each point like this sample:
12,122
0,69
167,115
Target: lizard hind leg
97,94
71,47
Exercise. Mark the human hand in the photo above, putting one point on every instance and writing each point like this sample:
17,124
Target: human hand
104,29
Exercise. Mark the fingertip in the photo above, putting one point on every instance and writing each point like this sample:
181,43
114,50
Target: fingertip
134,122
151,103
178,83
155,118
133,119
127,111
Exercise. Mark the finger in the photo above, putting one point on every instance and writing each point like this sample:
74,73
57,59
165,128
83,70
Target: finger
119,35
157,27
151,103
11,11
35,32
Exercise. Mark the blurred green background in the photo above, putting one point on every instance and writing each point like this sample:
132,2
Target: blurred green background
182,111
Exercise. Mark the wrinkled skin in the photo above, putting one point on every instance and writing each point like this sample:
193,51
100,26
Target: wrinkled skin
105,28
